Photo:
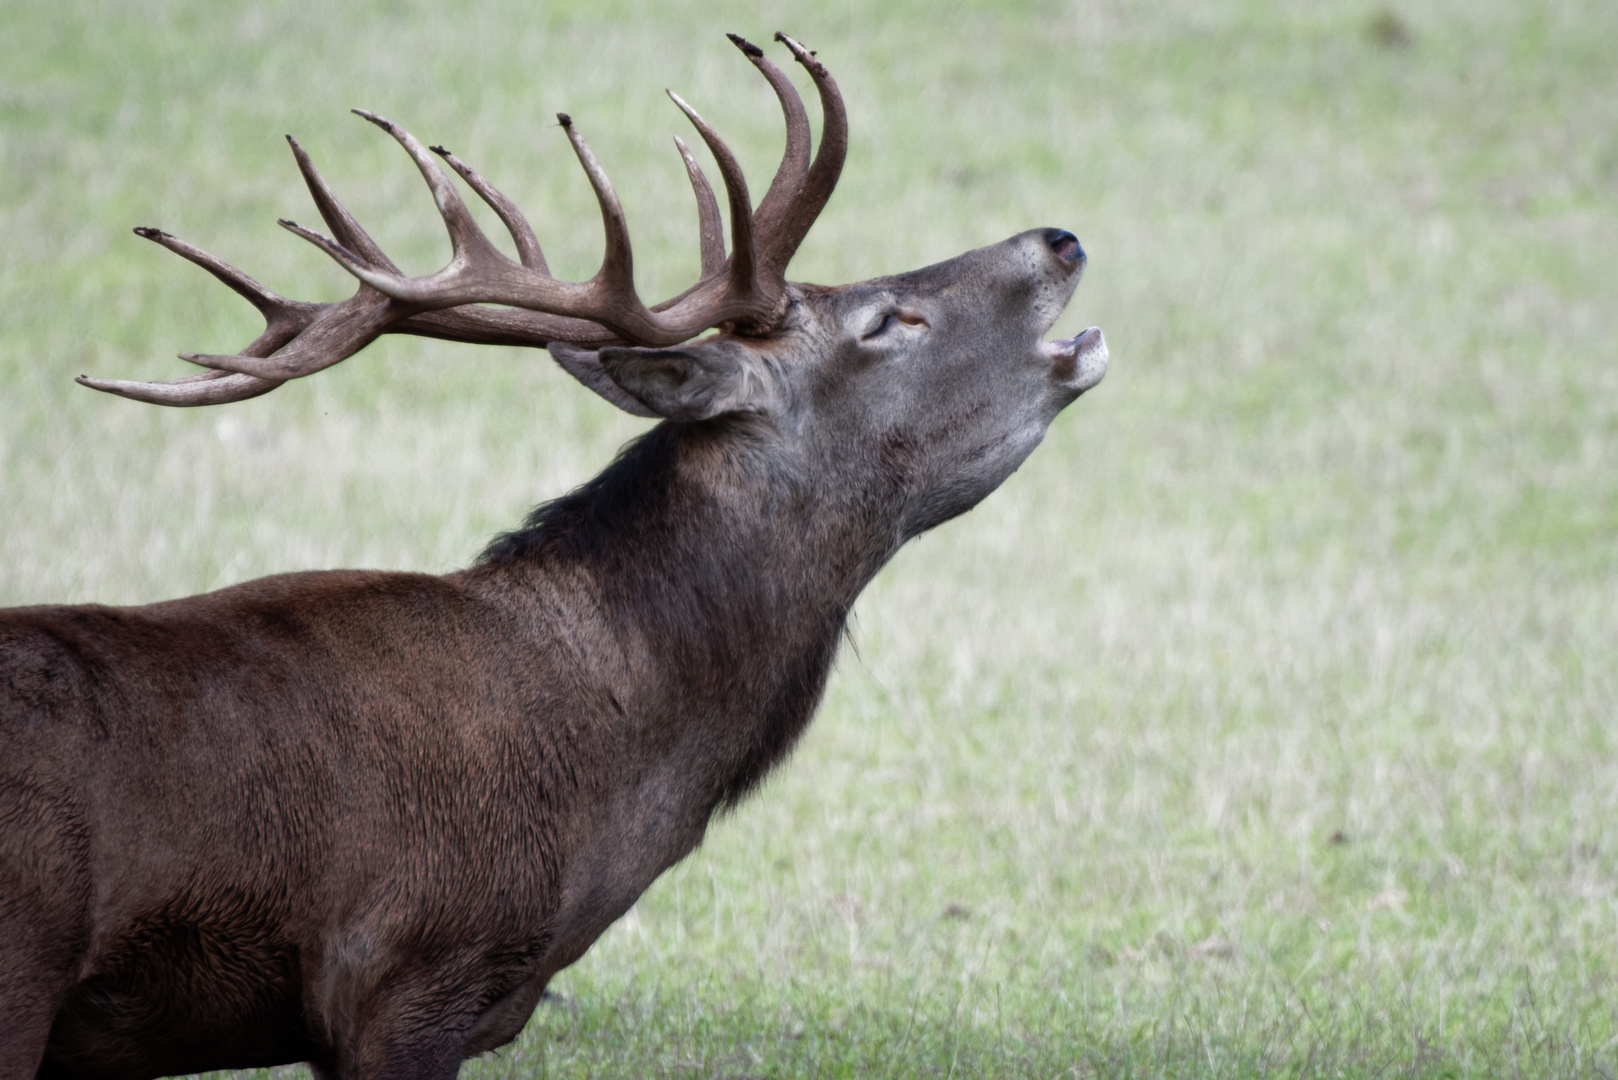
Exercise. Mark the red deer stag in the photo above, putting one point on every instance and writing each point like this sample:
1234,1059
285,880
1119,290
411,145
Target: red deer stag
360,819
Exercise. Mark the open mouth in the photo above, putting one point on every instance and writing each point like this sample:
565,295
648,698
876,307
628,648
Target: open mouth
1078,362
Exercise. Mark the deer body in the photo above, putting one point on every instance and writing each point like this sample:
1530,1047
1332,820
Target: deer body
360,819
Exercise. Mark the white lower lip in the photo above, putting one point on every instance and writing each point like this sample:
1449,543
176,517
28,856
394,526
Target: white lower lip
1079,362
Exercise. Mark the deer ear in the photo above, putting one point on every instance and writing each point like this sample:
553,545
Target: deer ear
691,382
585,366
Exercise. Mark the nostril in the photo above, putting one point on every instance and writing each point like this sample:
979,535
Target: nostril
1064,245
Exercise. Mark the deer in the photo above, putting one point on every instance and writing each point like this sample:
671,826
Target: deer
360,819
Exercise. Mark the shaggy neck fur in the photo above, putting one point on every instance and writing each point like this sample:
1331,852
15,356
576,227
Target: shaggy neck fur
723,580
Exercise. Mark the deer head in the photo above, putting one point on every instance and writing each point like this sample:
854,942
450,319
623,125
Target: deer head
935,382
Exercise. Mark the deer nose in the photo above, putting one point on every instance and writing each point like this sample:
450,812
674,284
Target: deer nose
1064,245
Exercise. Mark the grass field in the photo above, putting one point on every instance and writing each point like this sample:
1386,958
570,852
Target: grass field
1264,724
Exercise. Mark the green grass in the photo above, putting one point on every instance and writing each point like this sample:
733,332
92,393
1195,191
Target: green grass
1263,724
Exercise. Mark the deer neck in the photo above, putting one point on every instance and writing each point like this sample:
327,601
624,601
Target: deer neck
718,579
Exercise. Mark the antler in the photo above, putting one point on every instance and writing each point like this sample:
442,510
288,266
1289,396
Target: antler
745,290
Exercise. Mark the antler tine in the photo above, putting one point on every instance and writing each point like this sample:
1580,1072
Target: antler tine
522,234
348,231
207,388
617,273
799,215
743,259
710,233
283,320
269,304
466,239
795,158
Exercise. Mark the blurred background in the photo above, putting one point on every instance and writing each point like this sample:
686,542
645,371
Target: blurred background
1262,724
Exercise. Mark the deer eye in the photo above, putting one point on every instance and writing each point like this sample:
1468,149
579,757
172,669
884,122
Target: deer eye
881,325
890,319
